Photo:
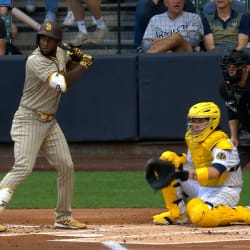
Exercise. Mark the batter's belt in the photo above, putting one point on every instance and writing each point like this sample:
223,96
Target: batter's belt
40,115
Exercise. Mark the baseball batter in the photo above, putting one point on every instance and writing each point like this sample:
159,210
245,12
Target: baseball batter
49,71
209,175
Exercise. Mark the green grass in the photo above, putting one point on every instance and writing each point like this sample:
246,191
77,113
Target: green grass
97,190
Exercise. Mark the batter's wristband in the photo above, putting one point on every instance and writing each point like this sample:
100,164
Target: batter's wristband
201,174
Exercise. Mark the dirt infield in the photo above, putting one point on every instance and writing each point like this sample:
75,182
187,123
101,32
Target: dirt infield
115,229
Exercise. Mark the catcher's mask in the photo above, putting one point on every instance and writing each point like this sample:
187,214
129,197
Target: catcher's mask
50,29
238,58
209,115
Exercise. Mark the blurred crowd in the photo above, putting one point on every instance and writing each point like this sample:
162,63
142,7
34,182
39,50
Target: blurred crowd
160,25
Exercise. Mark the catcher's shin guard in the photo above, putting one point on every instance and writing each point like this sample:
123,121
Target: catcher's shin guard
5,196
176,213
202,215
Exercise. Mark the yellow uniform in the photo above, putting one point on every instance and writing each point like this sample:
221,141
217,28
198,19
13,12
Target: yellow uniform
211,201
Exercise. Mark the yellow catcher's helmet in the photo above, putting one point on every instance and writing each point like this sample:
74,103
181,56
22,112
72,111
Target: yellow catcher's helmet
203,110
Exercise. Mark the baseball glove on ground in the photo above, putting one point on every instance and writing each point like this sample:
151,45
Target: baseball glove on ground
159,173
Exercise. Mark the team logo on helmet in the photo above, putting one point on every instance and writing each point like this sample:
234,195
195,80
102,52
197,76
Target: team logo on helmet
48,27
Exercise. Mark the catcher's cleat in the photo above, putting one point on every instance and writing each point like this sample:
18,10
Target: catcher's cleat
70,224
2,228
165,218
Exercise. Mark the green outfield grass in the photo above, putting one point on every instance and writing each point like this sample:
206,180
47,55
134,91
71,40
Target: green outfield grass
98,190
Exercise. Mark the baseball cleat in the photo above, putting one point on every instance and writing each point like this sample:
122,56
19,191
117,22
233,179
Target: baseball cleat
2,228
70,224
166,219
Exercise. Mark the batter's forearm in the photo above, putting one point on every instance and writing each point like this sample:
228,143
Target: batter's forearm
74,74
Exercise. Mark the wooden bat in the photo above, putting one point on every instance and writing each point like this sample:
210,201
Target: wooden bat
23,17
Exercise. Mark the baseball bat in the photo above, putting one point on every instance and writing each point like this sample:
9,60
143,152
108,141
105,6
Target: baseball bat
23,17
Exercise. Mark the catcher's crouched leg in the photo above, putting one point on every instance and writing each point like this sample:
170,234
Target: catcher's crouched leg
202,215
176,213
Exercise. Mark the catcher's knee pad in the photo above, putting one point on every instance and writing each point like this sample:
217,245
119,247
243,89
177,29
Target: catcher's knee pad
200,214
5,196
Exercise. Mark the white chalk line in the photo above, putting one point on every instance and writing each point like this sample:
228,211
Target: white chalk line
114,246
95,235
80,240
147,235
120,239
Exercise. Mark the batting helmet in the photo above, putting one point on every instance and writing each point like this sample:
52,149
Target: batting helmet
237,58
50,29
207,110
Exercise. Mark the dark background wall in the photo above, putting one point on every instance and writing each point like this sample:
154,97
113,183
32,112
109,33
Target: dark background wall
169,85
124,97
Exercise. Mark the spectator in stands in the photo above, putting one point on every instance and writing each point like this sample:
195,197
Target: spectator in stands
225,29
10,27
50,9
83,36
69,20
2,37
173,31
145,9
210,7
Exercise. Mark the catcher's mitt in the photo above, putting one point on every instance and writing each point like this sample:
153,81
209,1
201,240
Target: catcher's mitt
159,173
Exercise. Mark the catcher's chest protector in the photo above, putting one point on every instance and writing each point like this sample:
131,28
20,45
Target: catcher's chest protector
202,155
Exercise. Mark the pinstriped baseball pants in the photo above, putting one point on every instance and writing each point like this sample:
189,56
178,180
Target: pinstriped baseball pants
31,136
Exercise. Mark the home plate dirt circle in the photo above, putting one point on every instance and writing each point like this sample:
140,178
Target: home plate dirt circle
116,229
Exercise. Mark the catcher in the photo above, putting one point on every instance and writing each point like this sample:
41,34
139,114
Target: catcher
204,185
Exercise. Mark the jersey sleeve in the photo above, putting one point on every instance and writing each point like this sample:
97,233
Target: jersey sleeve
206,26
40,67
150,30
244,25
228,158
